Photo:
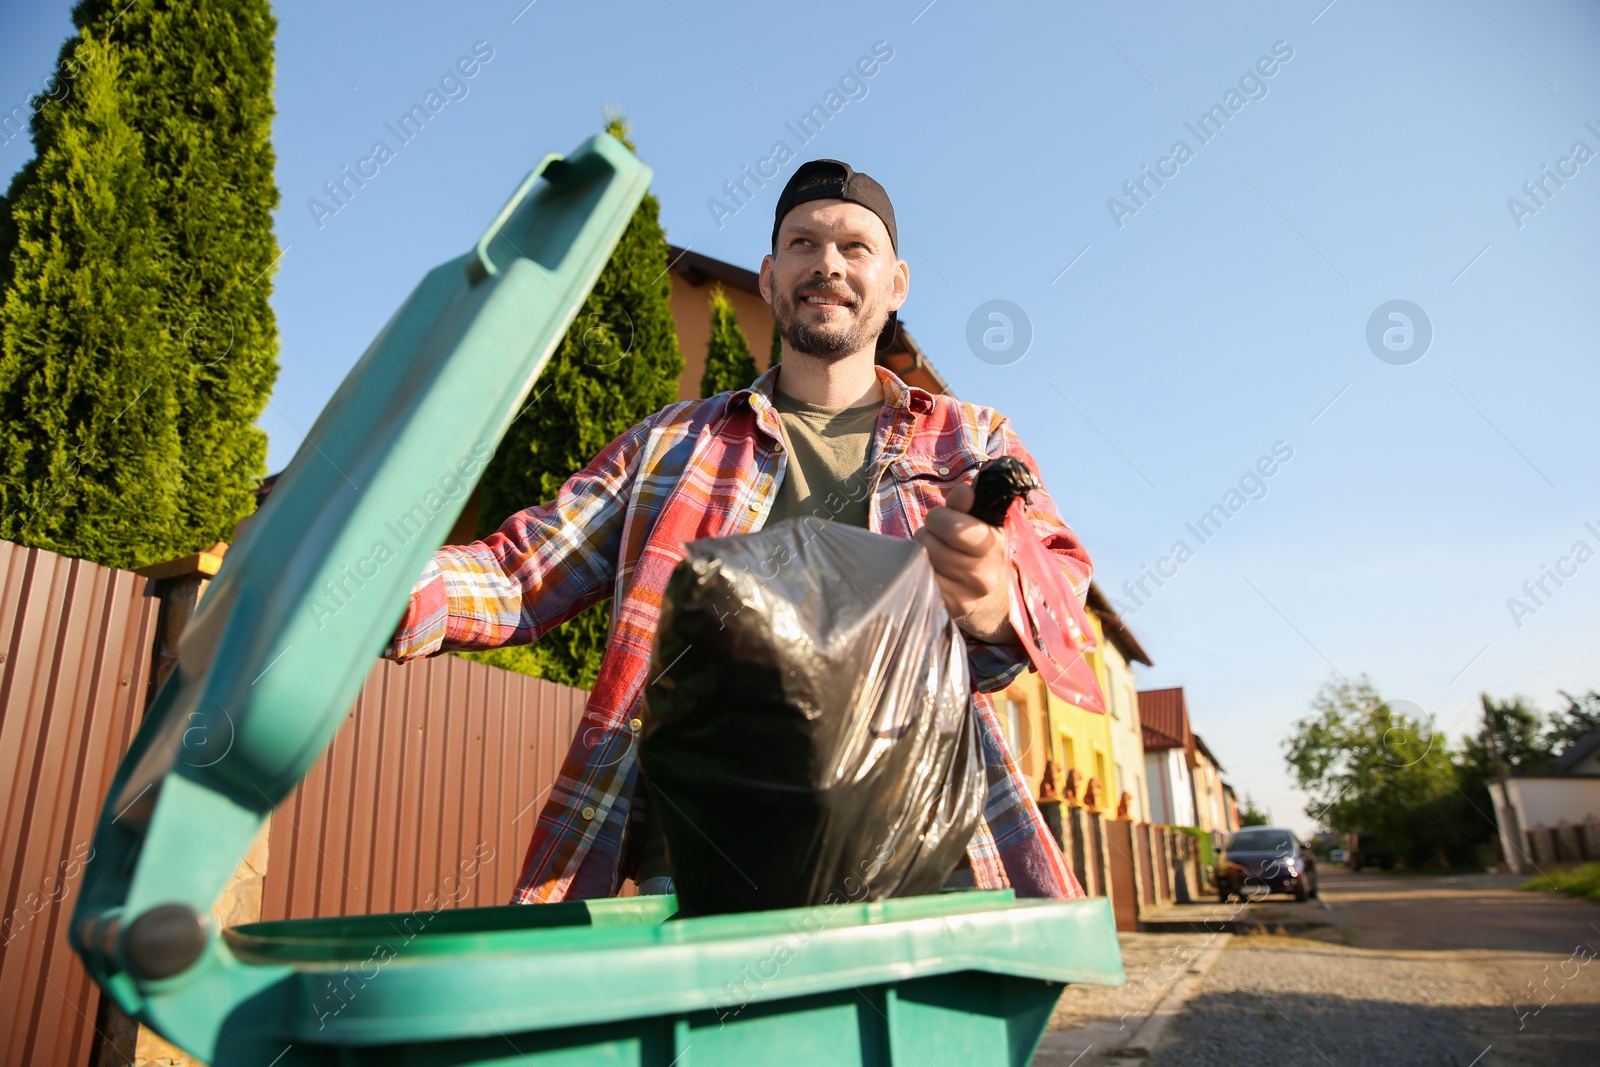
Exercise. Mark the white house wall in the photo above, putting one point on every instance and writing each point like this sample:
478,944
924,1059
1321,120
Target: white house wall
1553,801
1174,805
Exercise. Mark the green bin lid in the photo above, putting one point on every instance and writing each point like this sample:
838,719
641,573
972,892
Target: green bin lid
287,632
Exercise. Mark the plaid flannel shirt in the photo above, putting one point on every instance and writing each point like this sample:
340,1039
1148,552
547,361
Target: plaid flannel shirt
710,468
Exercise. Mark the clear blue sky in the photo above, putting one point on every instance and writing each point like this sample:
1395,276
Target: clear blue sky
1220,318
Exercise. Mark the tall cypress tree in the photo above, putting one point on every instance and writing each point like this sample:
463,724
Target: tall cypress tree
729,364
195,88
617,364
201,72
90,459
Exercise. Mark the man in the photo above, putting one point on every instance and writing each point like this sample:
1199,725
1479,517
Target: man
827,434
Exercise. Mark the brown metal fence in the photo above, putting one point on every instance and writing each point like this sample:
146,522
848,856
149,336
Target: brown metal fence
1144,836
75,640
445,761
1123,875
427,796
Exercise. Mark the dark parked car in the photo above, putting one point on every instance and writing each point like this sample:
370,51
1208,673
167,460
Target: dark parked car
1266,856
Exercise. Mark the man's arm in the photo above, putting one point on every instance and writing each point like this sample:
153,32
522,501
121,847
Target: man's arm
975,574
545,565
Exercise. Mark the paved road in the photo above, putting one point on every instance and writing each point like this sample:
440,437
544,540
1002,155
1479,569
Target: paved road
1517,965
1460,971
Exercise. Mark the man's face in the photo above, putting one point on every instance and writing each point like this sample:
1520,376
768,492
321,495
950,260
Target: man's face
833,278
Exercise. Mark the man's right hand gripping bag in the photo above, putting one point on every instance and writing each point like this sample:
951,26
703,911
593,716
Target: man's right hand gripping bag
809,736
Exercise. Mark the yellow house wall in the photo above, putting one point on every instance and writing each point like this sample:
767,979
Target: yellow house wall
1087,741
1083,739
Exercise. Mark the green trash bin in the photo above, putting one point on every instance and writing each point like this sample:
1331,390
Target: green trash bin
278,651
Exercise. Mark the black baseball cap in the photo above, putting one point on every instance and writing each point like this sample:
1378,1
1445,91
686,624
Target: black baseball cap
830,179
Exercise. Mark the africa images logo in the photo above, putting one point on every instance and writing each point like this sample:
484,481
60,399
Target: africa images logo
999,332
1399,332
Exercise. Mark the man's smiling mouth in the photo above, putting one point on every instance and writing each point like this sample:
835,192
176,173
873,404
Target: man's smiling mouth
827,300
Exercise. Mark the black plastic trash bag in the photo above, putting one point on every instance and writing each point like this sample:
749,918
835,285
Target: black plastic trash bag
808,736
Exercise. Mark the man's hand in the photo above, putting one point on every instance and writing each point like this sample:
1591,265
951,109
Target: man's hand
973,567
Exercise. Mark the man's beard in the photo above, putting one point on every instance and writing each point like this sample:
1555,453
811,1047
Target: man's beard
830,341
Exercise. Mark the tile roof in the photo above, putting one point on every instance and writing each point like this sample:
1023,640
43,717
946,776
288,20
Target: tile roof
1164,718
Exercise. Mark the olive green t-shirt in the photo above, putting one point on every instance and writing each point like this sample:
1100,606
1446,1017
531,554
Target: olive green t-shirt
828,476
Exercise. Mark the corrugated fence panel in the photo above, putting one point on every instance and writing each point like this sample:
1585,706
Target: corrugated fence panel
1147,863
76,643
442,767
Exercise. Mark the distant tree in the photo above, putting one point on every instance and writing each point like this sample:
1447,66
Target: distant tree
1368,766
1509,739
618,364
1512,732
728,361
1250,815
1581,716
775,356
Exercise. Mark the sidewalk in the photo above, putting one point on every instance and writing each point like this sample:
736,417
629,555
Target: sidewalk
1094,1026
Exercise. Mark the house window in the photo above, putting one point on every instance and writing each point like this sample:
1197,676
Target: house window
1120,788
1069,755
1100,767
